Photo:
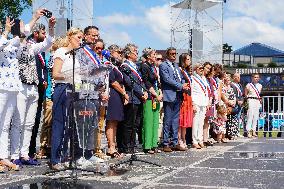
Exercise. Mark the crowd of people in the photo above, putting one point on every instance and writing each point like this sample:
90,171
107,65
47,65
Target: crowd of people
195,103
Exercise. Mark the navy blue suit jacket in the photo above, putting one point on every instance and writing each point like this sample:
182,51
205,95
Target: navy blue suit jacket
170,83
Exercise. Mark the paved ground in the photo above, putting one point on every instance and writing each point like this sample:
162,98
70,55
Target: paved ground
257,163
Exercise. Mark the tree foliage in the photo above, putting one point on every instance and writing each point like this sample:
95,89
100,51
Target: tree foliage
227,48
13,8
260,65
272,65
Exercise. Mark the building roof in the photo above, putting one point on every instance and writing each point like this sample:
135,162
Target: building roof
259,50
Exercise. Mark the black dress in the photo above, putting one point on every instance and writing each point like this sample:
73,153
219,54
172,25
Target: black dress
115,103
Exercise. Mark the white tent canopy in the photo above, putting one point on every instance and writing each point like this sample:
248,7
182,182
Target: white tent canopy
197,5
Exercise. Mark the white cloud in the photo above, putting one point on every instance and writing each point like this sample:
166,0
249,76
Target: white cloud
262,10
115,37
118,19
159,21
240,31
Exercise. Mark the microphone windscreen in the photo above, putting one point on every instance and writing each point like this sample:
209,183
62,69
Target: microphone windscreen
106,54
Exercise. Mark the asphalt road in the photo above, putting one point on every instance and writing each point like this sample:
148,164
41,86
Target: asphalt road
244,163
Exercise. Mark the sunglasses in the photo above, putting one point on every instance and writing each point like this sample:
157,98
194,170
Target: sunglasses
201,68
159,59
99,48
172,53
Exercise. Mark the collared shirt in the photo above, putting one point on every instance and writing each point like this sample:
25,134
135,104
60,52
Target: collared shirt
254,91
172,64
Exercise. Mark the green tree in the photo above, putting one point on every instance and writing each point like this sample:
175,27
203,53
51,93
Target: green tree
227,48
13,8
260,65
272,65
242,65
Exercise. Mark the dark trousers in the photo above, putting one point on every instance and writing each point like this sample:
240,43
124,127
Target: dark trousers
171,121
32,148
126,133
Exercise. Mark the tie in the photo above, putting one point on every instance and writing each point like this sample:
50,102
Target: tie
175,71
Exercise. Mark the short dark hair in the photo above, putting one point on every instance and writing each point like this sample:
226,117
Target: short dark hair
88,28
170,49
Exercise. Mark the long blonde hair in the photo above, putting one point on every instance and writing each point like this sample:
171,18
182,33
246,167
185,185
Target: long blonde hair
70,32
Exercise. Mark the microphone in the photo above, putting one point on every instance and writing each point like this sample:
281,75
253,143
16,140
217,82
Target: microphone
106,54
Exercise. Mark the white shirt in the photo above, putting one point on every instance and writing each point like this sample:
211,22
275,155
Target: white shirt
67,66
199,95
251,91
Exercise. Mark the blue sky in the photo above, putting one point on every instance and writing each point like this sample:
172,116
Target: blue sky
145,22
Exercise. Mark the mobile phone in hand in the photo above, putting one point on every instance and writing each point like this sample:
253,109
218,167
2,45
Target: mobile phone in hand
15,30
47,13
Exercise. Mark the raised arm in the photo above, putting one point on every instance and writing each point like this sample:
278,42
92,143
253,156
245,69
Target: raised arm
47,43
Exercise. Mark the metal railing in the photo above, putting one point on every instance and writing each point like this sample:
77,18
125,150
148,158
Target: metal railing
271,115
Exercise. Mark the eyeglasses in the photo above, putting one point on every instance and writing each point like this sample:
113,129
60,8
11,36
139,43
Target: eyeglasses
95,36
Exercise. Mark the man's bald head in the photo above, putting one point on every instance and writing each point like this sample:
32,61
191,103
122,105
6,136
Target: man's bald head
237,77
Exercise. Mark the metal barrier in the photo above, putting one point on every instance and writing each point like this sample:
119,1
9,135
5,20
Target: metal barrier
272,116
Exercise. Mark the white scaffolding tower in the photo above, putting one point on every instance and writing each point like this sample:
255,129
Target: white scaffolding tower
197,28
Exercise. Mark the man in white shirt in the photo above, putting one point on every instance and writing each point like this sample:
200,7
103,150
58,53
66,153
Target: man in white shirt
252,93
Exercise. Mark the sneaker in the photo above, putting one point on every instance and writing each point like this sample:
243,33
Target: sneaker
95,159
83,163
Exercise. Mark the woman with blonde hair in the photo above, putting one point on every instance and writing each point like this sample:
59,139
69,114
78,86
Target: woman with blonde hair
63,64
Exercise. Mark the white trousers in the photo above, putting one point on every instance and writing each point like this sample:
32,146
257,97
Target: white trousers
252,114
23,121
197,126
7,105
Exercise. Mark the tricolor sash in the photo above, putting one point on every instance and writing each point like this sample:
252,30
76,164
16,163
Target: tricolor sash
198,80
187,77
92,55
134,71
255,90
41,59
214,82
116,68
238,89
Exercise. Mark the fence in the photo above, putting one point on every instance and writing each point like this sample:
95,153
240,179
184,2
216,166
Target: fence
271,118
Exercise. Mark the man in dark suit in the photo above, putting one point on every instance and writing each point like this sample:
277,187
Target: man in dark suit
132,111
172,85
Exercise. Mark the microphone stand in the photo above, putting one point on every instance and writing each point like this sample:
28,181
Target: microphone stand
133,156
72,122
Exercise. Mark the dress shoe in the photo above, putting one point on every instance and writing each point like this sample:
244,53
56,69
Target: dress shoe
196,146
167,149
179,148
201,145
208,143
